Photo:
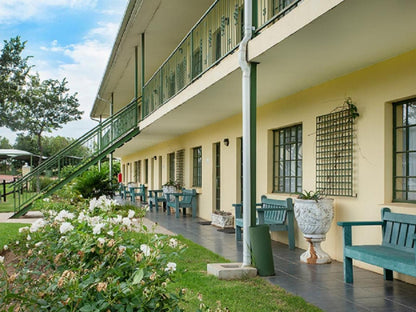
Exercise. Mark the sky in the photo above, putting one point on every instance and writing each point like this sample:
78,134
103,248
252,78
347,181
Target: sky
66,38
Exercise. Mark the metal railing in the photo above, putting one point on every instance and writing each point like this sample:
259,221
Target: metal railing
215,35
92,145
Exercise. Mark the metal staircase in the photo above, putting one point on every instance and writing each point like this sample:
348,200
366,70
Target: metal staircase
55,171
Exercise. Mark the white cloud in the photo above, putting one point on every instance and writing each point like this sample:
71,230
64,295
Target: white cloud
88,60
21,10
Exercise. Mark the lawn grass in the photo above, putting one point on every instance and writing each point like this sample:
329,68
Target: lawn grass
8,232
254,294
7,206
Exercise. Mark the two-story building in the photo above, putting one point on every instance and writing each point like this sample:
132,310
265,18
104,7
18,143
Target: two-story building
180,57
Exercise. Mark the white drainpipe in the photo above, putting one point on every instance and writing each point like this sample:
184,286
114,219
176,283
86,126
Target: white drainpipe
245,67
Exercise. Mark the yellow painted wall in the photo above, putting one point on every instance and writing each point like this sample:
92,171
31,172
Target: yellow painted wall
372,89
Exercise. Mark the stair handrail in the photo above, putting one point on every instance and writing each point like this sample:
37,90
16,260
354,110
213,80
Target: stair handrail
75,143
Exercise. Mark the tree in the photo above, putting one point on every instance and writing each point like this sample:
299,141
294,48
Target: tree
4,143
45,106
13,73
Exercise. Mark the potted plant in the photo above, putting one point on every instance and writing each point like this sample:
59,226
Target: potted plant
314,214
222,219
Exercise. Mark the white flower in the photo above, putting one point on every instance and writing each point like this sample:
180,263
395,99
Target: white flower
127,222
131,214
82,217
65,227
46,199
117,220
28,237
17,242
97,228
173,242
38,244
94,220
5,247
1,259
37,225
145,249
23,229
101,241
170,267
122,249
111,233
64,214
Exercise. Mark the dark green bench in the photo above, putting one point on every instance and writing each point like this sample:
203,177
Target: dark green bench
123,191
397,251
278,214
154,198
137,191
186,199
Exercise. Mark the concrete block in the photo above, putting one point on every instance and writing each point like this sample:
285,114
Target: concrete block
230,271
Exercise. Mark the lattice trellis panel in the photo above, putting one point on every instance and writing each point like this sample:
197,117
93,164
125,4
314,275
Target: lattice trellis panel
334,153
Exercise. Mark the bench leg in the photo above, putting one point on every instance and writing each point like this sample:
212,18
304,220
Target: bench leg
177,212
168,209
388,275
150,205
348,270
156,205
237,233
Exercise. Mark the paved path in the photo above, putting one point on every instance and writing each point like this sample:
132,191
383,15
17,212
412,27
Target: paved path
30,217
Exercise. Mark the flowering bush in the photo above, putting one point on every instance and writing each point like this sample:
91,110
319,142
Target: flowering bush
84,261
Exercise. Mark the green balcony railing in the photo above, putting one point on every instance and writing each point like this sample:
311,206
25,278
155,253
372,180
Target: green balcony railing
93,146
214,36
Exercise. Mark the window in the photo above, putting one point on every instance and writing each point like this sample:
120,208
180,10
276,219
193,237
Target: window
171,166
287,160
197,166
404,150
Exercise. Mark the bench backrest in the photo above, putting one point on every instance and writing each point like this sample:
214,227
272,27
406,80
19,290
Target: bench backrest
280,215
187,196
398,230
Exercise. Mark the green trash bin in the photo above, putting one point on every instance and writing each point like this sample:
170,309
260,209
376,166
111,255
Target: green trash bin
261,249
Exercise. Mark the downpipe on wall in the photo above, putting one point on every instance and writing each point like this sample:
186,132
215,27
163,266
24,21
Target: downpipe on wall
245,67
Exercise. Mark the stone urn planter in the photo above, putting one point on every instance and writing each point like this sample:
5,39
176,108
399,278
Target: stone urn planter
171,187
222,219
314,218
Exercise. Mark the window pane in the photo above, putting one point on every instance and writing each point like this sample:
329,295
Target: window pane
400,164
400,140
412,164
411,115
412,138
400,184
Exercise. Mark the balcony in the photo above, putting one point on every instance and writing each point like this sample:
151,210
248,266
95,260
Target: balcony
217,34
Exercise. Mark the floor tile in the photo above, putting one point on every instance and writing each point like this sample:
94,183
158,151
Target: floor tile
321,285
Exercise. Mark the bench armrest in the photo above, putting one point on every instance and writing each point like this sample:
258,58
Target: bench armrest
348,232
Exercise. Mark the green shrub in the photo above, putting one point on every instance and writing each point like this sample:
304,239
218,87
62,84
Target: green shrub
90,264
93,183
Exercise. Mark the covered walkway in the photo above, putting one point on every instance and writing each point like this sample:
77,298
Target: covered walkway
321,285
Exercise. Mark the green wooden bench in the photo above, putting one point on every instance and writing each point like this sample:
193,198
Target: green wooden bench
186,199
278,214
397,251
154,198
137,191
123,191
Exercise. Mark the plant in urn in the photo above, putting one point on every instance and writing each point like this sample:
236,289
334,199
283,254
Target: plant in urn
314,215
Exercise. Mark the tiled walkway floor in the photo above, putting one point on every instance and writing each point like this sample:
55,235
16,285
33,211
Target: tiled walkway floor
321,285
